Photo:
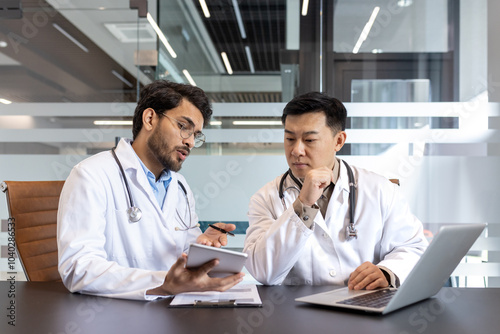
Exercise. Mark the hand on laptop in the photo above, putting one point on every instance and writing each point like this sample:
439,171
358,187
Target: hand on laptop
367,276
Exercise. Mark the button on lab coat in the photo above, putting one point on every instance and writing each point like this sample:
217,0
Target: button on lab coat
100,251
282,250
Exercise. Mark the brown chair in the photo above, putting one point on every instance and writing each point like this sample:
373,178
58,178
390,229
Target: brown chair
33,207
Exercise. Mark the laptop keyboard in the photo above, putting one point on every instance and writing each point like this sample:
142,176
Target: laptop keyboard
375,299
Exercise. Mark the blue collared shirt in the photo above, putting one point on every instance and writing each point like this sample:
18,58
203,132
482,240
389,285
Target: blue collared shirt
159,187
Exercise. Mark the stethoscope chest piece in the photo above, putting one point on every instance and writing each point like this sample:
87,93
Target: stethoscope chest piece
134,214
351,233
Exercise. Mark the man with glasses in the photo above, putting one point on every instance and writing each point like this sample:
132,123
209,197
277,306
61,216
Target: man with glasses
126,217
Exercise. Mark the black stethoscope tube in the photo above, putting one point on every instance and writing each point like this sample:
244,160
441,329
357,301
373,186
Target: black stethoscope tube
133,212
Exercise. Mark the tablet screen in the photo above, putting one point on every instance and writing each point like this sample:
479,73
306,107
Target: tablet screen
230,262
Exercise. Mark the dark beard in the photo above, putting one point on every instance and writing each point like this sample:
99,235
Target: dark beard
156,146
167,162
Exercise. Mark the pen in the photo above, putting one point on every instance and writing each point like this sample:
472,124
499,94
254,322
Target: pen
220,230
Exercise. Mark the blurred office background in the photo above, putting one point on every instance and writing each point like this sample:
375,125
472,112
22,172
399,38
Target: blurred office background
420,79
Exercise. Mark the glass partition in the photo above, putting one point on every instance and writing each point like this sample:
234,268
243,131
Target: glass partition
245,51
414,76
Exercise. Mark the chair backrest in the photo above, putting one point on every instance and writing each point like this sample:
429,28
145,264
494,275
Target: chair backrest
33,206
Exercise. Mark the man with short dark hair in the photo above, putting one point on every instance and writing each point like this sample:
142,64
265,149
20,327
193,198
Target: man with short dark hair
126,216
301,229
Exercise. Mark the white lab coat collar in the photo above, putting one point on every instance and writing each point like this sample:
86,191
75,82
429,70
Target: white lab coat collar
127,155
291,195
340,196
343,180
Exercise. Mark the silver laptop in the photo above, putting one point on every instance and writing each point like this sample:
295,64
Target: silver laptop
439,260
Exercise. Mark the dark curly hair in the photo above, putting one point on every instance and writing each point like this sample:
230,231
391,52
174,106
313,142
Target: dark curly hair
163,95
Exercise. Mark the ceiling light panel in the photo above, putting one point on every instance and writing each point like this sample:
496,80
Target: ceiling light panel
229,69
239,19
253,123
249,58
366,30
305,7
132,32
122,78
112,122
189,77
204,7
70,37
161,36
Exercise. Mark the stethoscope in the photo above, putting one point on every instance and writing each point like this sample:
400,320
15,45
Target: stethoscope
135,214
351,232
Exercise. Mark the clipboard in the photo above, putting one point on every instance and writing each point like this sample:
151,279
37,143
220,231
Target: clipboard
220,303
241,295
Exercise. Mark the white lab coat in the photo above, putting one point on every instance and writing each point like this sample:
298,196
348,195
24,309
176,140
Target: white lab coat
100,251
282,250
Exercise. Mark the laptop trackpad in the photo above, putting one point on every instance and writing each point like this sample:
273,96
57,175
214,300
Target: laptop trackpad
330,297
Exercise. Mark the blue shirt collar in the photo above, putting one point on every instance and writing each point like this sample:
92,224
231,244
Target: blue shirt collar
159,187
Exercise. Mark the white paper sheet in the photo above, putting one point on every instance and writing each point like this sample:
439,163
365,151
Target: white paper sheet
242,294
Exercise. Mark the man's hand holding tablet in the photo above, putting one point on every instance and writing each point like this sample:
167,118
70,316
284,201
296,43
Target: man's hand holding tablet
230,262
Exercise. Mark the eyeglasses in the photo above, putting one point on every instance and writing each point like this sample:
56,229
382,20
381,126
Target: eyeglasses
186,132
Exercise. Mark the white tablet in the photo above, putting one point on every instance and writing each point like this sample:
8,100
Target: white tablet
230,262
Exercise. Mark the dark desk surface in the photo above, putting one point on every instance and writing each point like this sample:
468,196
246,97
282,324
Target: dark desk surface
50,308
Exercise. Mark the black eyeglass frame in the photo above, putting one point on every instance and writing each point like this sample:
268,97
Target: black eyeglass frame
199,137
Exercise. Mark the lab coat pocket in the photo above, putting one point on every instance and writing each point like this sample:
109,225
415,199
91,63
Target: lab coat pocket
129,242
